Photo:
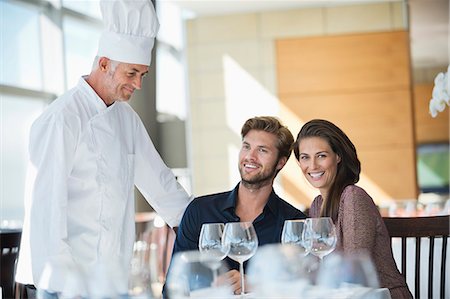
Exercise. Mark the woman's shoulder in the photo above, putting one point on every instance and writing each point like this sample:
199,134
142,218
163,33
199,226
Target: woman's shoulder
353,190
353,193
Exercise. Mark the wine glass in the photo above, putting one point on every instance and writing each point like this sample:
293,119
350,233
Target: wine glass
210,243
322,236
140,270
243,242
294,232
277,272
191,277
348,271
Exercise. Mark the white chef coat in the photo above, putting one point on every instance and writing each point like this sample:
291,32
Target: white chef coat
86,158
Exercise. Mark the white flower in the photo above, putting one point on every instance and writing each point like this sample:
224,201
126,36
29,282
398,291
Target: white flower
441,93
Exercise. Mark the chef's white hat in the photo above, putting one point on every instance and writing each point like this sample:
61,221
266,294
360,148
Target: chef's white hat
130,30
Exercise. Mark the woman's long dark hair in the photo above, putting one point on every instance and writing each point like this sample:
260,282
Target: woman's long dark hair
348,168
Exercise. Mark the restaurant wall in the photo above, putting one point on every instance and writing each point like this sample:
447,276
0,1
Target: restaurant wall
232,73
364,86
429,129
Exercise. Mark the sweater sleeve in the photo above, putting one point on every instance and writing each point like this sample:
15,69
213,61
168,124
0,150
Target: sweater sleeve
358,225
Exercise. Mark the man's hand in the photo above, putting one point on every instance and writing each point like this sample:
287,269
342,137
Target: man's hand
233,278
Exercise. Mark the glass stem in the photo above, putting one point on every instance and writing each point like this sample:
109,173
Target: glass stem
215,276
241,269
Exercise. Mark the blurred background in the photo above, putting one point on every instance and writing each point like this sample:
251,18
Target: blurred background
367,66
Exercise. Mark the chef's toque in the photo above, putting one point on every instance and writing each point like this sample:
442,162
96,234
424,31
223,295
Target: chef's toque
130,30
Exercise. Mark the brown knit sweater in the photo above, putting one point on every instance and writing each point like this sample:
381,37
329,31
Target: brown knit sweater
360,228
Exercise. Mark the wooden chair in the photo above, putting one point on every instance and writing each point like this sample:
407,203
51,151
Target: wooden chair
10,243
420,228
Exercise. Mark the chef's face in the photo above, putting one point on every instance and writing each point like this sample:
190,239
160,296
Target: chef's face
123,78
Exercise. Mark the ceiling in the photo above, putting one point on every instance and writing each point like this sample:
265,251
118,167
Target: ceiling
429,32
429,21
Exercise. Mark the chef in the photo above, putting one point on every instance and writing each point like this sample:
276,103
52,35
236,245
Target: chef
87,152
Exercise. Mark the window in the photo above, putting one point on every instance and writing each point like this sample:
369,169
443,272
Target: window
20,51
45,49
433,165
170,56
90,8
81,41
17,112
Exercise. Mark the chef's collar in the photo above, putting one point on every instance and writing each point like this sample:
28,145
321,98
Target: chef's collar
92,95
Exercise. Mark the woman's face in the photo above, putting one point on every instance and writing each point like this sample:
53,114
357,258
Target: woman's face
318,163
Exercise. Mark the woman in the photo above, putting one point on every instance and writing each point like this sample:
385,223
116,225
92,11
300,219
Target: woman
329,162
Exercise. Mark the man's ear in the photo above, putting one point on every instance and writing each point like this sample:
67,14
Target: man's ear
103,63
281,162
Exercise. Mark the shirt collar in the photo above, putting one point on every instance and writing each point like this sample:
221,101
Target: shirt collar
230,202
272,202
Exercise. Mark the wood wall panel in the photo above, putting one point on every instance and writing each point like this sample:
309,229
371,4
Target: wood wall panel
371,119
389,169
361,82
343,63
429,129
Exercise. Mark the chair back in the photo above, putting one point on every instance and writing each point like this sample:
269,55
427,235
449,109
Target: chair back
9,243
436,231
163,237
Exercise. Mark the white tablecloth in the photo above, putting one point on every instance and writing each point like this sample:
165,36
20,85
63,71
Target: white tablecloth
309,293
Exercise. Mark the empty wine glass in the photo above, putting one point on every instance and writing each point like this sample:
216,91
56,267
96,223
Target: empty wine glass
277,272
190,277
210,243
294,232
64,274
107,278
347,270
243,242
140,270
322,236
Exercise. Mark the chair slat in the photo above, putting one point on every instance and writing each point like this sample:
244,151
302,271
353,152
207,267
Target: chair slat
430,268
417,271
443,263
404,251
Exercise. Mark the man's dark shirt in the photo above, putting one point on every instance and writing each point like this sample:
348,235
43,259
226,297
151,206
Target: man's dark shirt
221,207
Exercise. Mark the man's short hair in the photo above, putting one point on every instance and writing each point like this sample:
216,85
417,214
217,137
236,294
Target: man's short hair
114,64
271,125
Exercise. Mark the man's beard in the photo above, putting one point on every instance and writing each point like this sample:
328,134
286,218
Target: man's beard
259,180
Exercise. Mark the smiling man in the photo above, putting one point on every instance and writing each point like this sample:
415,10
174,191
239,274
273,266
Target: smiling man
87,152
266,147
